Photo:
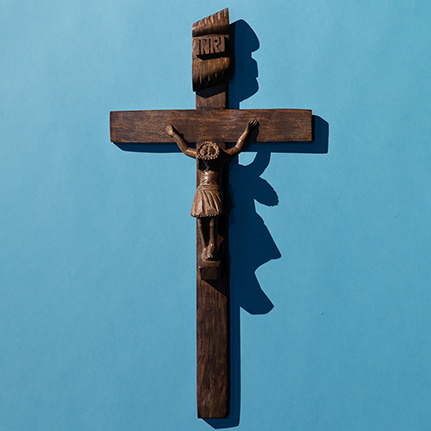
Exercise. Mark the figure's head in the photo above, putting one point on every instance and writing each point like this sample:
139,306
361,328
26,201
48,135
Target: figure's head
208,151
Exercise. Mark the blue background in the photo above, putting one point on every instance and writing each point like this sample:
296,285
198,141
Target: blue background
330,251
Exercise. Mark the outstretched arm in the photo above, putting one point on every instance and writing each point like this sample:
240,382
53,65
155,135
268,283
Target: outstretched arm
242,139
184,147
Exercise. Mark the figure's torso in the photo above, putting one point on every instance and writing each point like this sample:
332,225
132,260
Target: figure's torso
209,177
210,171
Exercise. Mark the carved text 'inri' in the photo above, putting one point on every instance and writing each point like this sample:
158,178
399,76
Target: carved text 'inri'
209,45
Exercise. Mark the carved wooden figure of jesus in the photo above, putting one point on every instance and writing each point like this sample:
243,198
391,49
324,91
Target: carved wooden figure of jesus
208,203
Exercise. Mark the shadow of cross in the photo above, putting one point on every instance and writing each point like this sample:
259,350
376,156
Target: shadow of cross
211,122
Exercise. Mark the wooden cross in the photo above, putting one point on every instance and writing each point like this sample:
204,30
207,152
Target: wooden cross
211,121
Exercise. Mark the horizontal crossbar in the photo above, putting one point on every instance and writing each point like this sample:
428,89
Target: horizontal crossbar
220,125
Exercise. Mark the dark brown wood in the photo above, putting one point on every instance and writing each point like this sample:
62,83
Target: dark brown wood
222,125
210,61
217,23
212,296
212,96
212,341
210,45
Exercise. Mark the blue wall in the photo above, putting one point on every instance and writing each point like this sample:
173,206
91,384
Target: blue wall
330,251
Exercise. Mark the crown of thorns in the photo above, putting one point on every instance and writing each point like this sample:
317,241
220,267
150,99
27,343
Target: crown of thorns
208,151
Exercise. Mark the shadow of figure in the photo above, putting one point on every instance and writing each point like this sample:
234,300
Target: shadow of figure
253,243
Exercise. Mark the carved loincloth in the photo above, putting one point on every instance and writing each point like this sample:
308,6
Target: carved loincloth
208,201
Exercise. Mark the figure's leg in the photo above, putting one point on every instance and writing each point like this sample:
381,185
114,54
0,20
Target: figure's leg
201,238
201,230
212,240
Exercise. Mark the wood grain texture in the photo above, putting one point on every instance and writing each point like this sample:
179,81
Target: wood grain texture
223,125
213,329
213,343
212,96
212,296
217,23
210,51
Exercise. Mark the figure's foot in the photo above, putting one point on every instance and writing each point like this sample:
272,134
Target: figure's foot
212,252
204,254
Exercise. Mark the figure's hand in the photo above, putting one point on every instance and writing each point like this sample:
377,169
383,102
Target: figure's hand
170,130
253,123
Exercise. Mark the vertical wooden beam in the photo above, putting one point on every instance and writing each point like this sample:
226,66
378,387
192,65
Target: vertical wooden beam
212,296
212,308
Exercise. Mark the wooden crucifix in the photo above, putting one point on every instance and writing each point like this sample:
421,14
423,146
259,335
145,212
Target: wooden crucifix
212,127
